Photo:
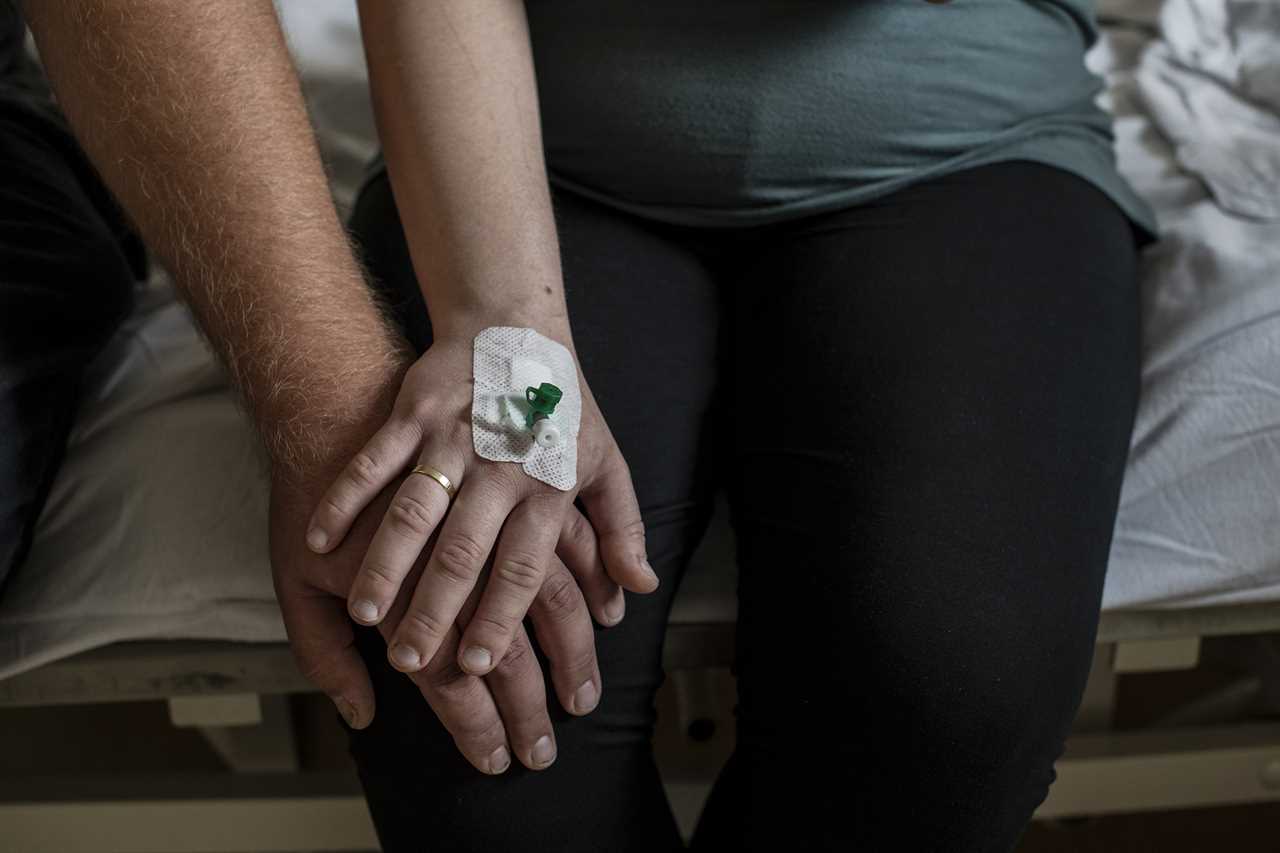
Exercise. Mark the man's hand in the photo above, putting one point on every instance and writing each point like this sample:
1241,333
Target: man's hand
489,718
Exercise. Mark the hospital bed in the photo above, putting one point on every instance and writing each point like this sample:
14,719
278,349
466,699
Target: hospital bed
149,577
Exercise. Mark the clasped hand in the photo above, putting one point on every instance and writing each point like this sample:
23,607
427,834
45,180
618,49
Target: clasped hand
449,583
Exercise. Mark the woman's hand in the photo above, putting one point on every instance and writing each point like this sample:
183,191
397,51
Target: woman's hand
498,509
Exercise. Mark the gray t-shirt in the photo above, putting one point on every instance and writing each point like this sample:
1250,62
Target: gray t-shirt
741,112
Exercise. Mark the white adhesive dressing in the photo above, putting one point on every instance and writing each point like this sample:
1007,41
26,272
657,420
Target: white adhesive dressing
506,361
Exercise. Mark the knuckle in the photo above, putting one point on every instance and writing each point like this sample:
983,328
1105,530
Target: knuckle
560,598
333,506
410,517
381,574
489,625
579,662
460,703
633,529
547,501
459,558
441,678
501,479
421,624
475,729
420,409
520,569
516,660
363,470
313,668
527,716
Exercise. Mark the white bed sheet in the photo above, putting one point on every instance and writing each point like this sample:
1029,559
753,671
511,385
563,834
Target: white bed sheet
156,525
1199,520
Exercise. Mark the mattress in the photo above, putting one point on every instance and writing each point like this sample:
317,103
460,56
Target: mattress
156,525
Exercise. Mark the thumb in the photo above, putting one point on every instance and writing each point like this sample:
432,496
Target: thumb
324,647
610,502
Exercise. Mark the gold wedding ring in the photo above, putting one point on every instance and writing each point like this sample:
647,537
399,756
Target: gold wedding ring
438,476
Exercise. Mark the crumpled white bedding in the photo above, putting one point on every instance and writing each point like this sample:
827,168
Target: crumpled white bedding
1212,86
1199,520
156,524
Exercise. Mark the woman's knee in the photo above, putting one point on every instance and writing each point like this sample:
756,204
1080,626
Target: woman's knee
950,729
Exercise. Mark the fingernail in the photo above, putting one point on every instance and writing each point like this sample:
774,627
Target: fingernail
614,609
544,751
348,712
317,539
476,659
364,610
585,699
648,570
500,760
405,656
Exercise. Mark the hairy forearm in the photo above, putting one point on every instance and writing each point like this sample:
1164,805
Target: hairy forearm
456,103
193,114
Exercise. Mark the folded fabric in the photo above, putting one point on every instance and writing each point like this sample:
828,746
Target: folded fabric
1212,85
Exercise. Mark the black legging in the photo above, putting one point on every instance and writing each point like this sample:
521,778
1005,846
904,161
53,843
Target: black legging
921,409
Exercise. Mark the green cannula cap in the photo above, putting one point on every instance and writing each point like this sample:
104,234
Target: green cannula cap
542,400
